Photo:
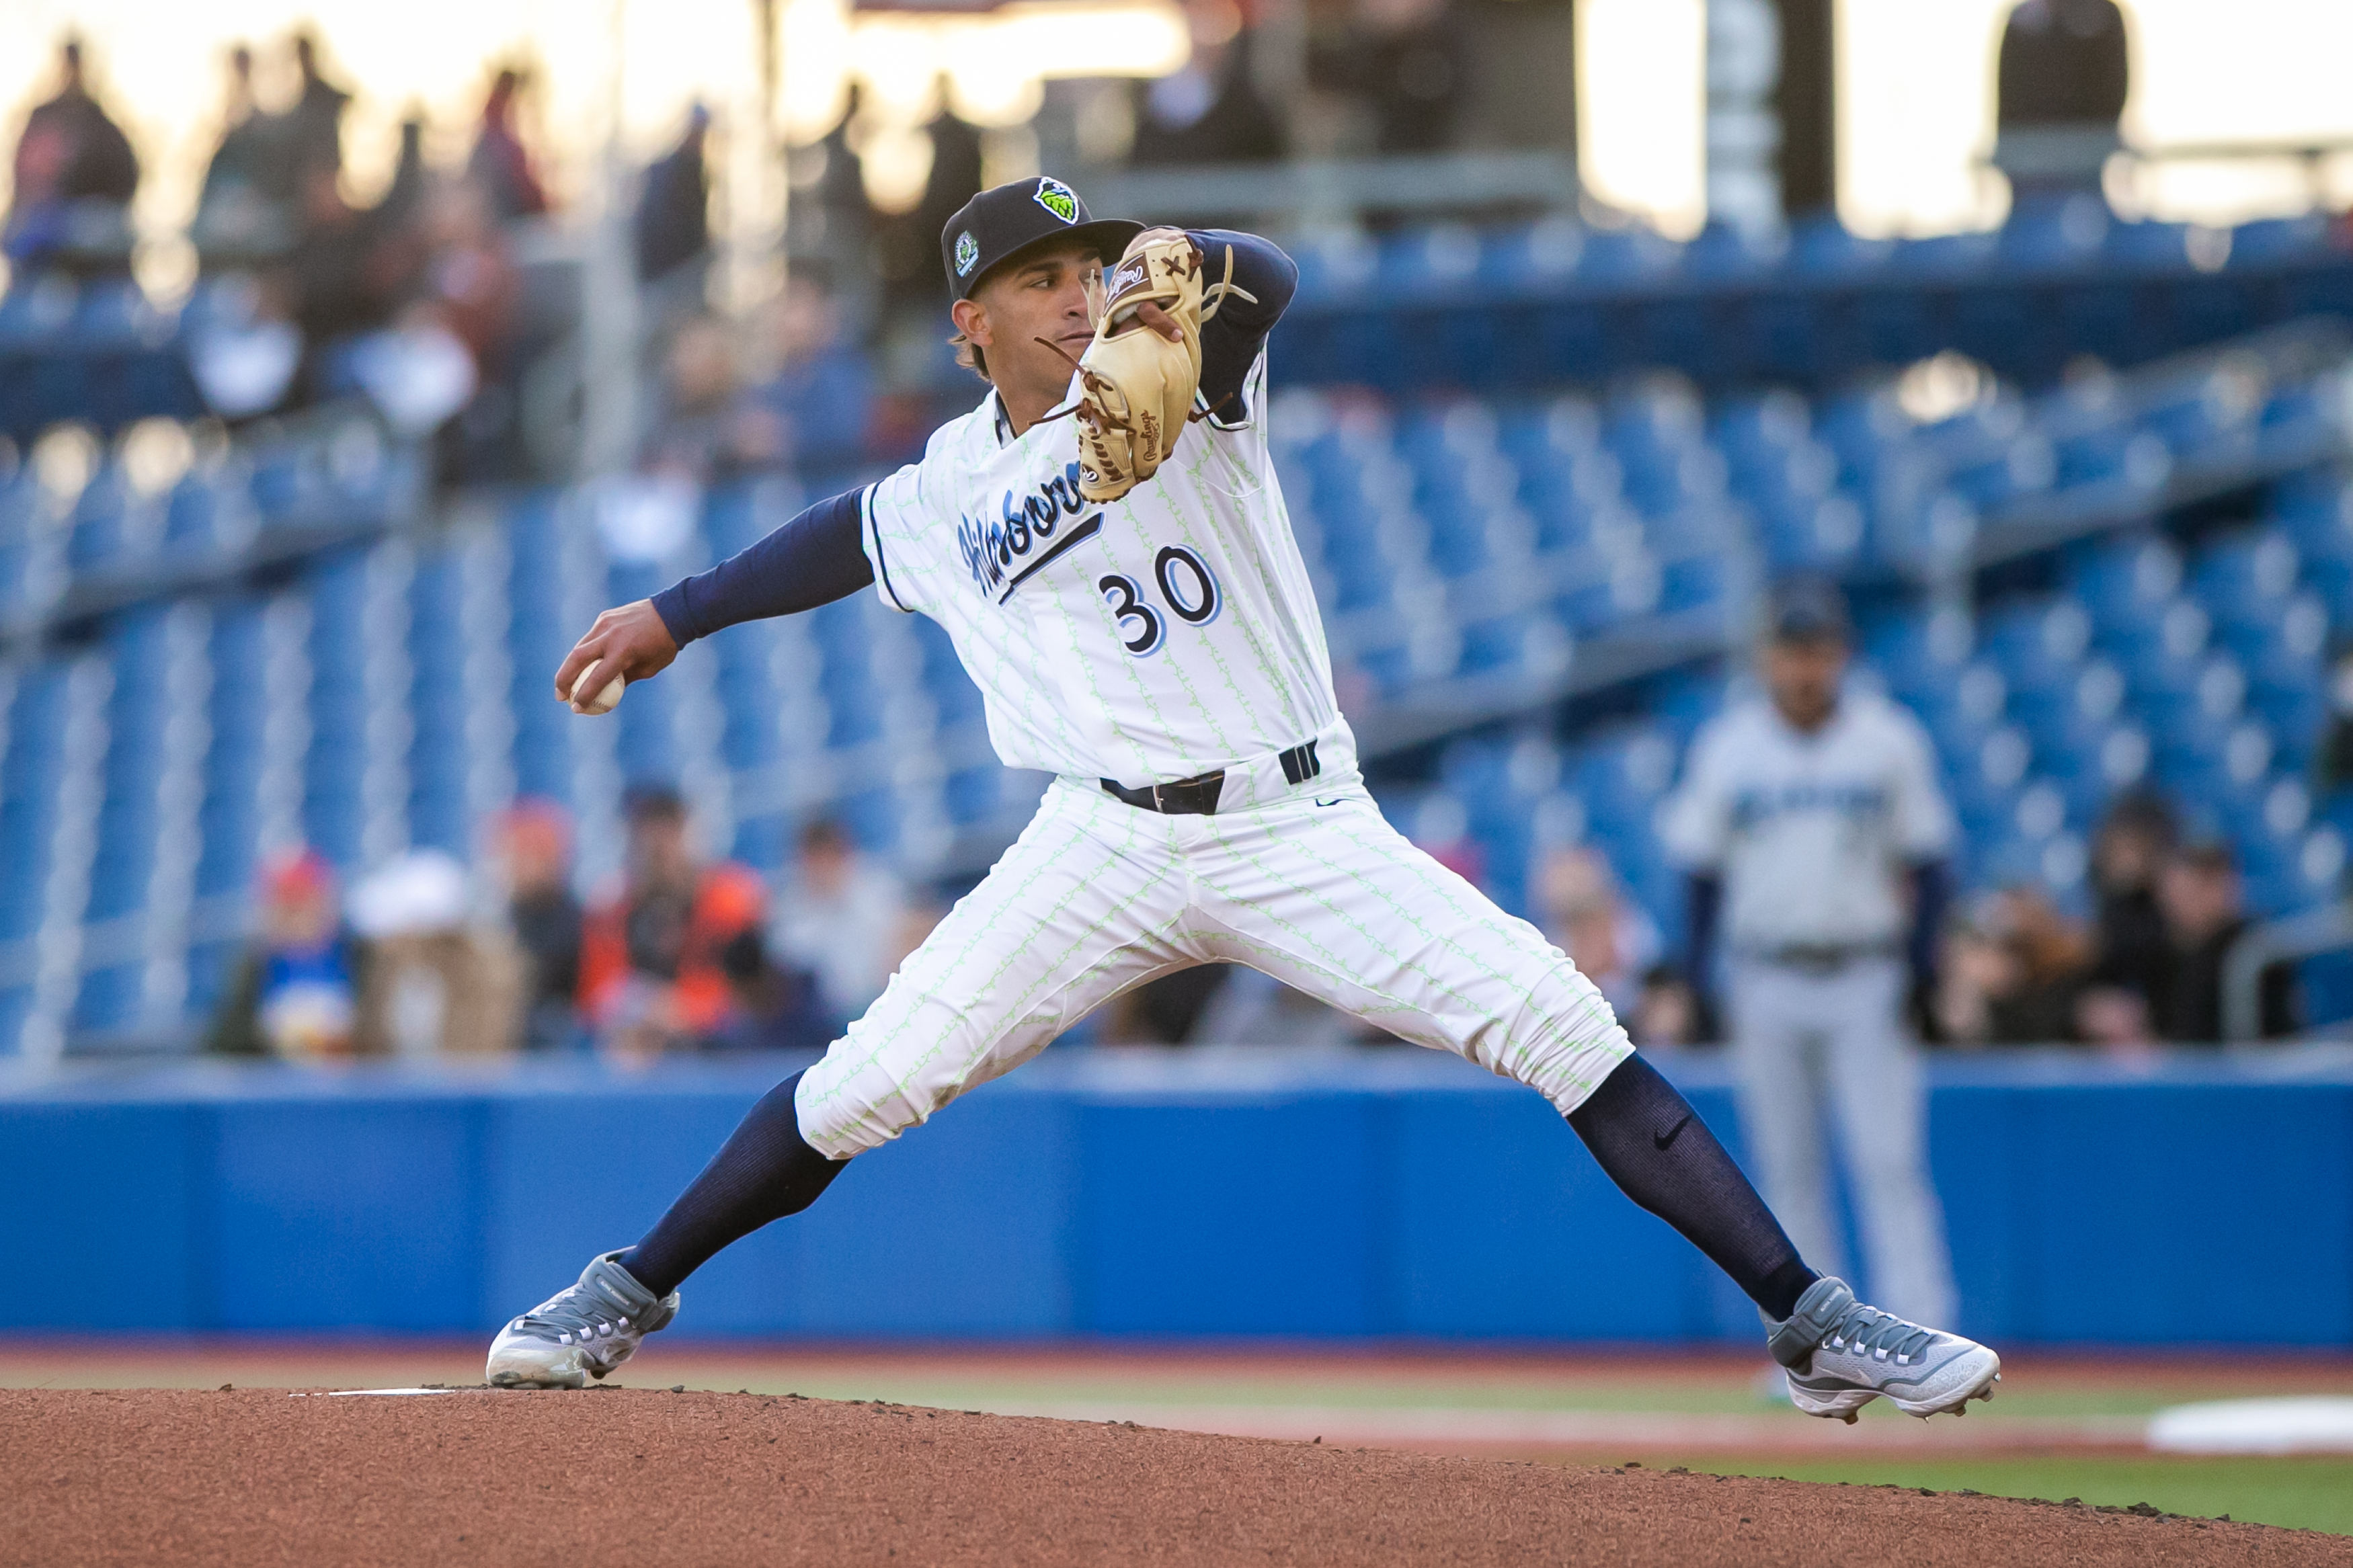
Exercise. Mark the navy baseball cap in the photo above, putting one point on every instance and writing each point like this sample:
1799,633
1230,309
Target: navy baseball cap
1004,221
1808,610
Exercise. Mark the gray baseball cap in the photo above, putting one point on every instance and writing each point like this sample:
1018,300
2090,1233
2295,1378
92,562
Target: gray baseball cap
1809,609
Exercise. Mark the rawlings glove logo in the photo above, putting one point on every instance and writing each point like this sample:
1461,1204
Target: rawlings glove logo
1059,199
1130,275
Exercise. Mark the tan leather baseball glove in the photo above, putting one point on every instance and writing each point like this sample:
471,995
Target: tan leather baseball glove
1136,386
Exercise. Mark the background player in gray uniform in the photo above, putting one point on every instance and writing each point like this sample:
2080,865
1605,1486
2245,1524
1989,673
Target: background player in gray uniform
1159,651
1816,836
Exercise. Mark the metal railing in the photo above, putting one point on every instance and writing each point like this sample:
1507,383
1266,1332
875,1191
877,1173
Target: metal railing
2297,937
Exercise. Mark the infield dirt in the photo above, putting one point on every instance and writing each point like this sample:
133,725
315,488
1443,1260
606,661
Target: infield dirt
640,1477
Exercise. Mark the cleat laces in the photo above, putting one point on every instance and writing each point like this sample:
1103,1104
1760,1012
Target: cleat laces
1867,1331
574,1316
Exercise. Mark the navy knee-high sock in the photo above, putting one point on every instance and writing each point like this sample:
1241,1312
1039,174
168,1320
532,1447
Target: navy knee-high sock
763,1172
1660,1154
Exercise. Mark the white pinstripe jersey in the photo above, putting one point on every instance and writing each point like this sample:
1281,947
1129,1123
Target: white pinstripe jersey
1148,639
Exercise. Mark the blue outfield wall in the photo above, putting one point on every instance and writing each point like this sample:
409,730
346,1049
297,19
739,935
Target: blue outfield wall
1386,1192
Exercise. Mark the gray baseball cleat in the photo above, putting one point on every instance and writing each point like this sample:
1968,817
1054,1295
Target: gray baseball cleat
582,1331
1840,1354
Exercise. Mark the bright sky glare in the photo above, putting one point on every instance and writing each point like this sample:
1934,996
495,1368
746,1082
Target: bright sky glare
1915,79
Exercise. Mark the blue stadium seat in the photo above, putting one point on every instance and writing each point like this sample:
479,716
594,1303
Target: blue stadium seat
1621,257
1439,259
1335,267
2148,244
1824,247
1725,252
2269,240
2046,233
1541,254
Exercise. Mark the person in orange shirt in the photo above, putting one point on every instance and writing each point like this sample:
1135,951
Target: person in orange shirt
651,978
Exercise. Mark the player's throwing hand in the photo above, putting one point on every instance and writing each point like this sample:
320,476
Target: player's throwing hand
628,642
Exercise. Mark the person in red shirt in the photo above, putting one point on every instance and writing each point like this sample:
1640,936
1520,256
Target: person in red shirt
500,165
651,976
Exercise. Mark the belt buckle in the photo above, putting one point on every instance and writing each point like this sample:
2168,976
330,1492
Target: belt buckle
1157,804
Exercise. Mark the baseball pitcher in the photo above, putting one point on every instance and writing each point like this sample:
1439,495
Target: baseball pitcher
1105,541
1816,835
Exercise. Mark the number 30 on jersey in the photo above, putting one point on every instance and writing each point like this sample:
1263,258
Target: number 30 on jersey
1188,589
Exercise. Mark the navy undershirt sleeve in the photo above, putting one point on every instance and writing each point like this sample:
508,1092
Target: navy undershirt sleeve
813,560
1932,894
1230,339
1703,899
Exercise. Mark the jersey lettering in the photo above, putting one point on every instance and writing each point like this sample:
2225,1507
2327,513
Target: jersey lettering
1127,605
991,546
1752,808
1195,602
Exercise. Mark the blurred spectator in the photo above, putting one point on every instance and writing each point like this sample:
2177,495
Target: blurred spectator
2131,848
534,840
841,915
673,218
402,204
295,992
468,282
2052,956
2064,77
466,286
2332,759
500,166
431,985
778,1007
1583,907
831,221
1667,1010
2199,895
1583,910
2064,62
690,432
1171,1009
243,216
314,125
2130,947
328,271
1248,1008
345,275
2014,972
813,412
1403,61
651,973
907,246
2113,1018
1208,110
74,175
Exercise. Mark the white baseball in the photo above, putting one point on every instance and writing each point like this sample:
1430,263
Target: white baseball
604,701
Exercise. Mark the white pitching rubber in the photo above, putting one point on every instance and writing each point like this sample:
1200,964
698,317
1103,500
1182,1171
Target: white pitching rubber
604,701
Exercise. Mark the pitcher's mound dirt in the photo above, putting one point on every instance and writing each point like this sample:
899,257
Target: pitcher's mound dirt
638,1476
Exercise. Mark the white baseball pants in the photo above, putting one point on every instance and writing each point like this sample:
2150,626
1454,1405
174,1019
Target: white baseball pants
1096,897
1806,1044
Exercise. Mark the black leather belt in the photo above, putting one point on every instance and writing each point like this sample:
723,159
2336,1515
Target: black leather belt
1815,958
1198,796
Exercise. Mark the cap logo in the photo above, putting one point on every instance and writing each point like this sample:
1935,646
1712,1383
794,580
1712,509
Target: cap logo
967,253
1059,199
